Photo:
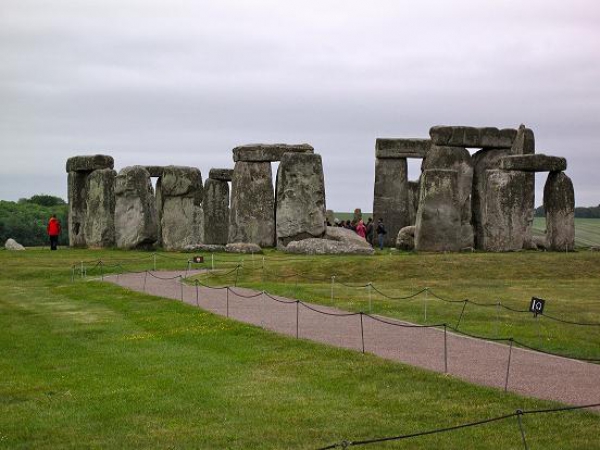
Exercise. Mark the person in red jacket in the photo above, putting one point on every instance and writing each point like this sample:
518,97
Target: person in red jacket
53,231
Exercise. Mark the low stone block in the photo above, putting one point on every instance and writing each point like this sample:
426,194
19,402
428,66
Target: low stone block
89,163
534,163
401,148
220,174
406,238
243,247
267,152
13,245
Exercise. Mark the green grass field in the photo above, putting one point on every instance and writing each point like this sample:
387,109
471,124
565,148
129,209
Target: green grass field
90,365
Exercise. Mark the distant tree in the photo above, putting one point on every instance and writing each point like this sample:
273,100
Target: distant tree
44,200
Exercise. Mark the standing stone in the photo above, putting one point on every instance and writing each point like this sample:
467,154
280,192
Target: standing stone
300,198
252,213
77,197
181,215
438,227
136,220
216,211
99,222
559,203
390,199
413,200
459,159
502,217
524,145
357,215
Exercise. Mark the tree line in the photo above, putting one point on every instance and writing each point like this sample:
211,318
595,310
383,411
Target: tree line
581,212
26,220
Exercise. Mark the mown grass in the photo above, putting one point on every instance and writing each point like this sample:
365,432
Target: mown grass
587,231
89,365
568,282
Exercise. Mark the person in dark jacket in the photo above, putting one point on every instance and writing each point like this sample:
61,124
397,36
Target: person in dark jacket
53,231
381,232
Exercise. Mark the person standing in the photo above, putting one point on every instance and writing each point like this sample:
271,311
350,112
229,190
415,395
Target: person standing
381,232
369,231
53,231
361,229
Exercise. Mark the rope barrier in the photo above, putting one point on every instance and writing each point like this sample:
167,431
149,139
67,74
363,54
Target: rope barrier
518,413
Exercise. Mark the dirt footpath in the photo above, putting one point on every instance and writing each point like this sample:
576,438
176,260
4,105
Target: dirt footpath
482,362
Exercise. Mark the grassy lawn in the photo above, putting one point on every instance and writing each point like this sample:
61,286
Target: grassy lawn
90,365
587,231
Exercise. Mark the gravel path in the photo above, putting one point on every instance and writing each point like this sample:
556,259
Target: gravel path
482,362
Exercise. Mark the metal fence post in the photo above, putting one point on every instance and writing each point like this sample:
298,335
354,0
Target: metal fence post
145,277
197,295
362,332
508,365
519,414
425,306
297,319
181,286
370,287
227,302
445,348
154,261
332,284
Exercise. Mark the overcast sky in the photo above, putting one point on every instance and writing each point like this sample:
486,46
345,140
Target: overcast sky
183,82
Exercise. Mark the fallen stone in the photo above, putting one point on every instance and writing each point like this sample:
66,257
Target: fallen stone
216,211
181,214
210,248
460,136
267,152
300,198
401,148
534,163
438,226
13,245
243,247
90,163
337,241
406,238
220,174
559,204
99,219
136,219
390,199
330,216
539,242
252,211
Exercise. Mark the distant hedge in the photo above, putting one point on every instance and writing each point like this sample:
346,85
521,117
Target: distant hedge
581,212
25,221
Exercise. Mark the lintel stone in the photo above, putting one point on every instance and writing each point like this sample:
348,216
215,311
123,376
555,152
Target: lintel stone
461,136
386,148
221,174
155,171
534,163
267,152
89,163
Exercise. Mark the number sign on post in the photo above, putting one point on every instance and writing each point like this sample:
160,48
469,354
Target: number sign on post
537,305
198,259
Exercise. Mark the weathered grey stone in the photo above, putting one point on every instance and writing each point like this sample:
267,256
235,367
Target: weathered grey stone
521,195
136,219
300,198
181,214
524,142
155,171
390,199
503,217
243,247
559,204
438,226
539,242
459,159
221,174
89,163
13,245
100,201
252,211
414,188
216,211
401,148
77,198
487,137
337,241
211,248
534,163
406,238
330,216
267,152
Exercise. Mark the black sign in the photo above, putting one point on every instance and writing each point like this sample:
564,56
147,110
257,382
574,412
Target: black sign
198,259
537,305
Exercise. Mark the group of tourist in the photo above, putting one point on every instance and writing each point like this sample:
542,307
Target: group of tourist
367,232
